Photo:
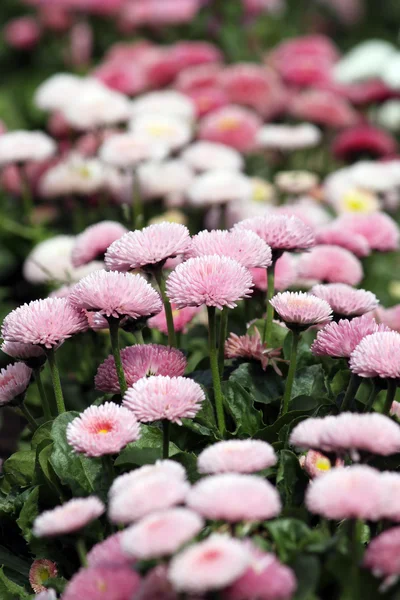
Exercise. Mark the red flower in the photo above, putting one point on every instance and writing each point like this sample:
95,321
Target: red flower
363,139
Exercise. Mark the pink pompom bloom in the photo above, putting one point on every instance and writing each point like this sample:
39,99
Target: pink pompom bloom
309,434
169,468
347,493
68,517
182,317
251,347
234,497
25,352
301,309
381,231
161,533
46,323
388,316
231,125
104,429
23,146
140,361
156,585
346,301
147,248
323,108
285,274
383,553
14,381
125,150
22,33
333,235
395,409
330,264
246,247
377,355
265,579
116,295
236,456
356,141
40,571
94,241
316,464
340,339
109,582
108,552
162,397
209,565
212,280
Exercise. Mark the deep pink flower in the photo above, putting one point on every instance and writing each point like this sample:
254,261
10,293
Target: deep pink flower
280,232
381,231
330,264
345,300
116,295
198,77
231,125
361,140
41,570
311,46
207,99
156,585
108,552
182,317
94,241
22,33
14,380
192,53
377,355
154,13
148,247
383,553
161,397
323,108
388,316
140,361
285,274
212,280
68,517
301,309
334,235
252,348
236,456
109,582
234,497
47,323
123,76
303,71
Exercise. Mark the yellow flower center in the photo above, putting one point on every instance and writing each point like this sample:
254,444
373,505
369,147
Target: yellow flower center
359,201
323,464
160,130
228,124
84,172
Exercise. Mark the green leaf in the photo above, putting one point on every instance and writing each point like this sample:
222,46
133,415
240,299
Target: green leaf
19,469
271,433
42,433
28,514
290,480
147,450
293,538
277,335
189,461
310,381
46,470
10,590
14,563
264,388
307,570
240,405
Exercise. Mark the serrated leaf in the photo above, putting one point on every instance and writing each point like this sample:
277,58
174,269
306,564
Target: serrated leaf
239,403
310,381
42,433
271,433
10,590
147,450
19,469
28,514
264,388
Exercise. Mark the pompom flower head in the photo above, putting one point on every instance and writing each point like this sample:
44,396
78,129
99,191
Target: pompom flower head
148,248
69,517
162,397
92,243
40,571
236,456
333,235
381,231
46,323
109,582
383,553
166,467
252,348
285,274
377,355
109,552
316,464
14,380
140,361
212,280
33,356
104,429
300,310
330,264
182,317
345,300
116,295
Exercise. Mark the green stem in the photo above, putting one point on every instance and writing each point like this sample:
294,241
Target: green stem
351,391
81,551
223,330
212,340
166,433
371,399
55,377
270,309
27,200
109,467
137,204
28,416
159,277
390,395
291,372
113,325
45,403
139,337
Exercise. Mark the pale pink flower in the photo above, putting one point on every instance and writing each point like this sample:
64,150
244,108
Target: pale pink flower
330,264
246,247
140,361
219,187
204,156
345,300
309,433
341,338
347,493
68,517
55,91
182,317
383,553
296,182
389,316
41,570
334,235
212,280
47,595
288,138
209,565
166,102
114,582
162,397
116,295
92,243
28,353
125,150
316,464
161,533
104,429
14,380
47,323
323,108
395,409
251,347
21,146
285,274
377,355
236,456
234,497
171,131
231,125
149,247
372,432
169,468
108,552
381,231
301,309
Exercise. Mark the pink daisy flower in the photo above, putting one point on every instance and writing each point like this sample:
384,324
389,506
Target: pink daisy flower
45,323
236,456
285,274
104,429
14,380
156,585
246,247
161,533
377,355
333,235
341,338
234,497
212,280
251,347
316,464
116,295
29,353
108,552
68,517
389,317
301,310
103,583
146,495
390,484
309,433
161,397
347,493
395,409
140,361
147,248
381,231
167,467
181,317
92,243
40,571
345,300
231,125
383,554
212,564
330,264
